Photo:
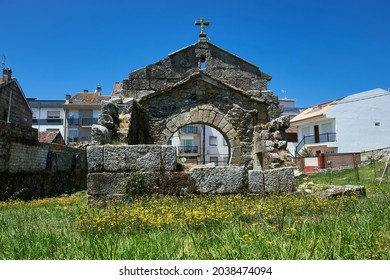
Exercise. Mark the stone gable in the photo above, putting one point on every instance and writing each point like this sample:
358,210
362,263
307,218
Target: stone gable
220,64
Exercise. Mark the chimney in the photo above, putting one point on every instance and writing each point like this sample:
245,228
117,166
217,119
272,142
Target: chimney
98,90
7,74
67,97
85,91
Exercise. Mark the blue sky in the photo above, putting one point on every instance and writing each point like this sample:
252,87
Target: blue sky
315,50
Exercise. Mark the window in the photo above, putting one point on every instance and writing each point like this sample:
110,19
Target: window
187,142
73,135
95,114
73,117
326,128
189,129
187,147
213,140
53,114
202,63
53,117
35,114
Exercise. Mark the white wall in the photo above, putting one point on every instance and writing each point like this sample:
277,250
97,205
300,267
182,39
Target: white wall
356,116
41,113
221,150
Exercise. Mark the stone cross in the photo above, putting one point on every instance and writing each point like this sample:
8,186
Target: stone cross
202,24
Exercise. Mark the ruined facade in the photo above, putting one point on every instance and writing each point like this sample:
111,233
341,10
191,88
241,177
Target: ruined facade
199,84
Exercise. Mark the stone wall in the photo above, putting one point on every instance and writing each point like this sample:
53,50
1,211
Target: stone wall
198,100
113,170
31,169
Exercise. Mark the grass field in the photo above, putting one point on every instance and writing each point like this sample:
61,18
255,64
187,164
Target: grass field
204,227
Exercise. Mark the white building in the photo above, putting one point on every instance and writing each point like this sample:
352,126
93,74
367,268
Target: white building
356,123
48,115
289,109
200,144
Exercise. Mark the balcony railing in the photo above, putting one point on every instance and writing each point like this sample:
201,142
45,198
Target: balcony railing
188,149
73,121
88,121
82,121
83,139
47,121
313,139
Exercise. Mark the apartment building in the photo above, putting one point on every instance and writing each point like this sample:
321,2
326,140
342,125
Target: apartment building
48,115
81,112
200,144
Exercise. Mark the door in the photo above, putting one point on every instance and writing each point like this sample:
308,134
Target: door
316,134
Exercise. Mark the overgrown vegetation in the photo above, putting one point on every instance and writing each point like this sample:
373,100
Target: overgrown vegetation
137,186
204,227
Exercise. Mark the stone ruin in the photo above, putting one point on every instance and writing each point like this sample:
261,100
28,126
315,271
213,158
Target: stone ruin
199,84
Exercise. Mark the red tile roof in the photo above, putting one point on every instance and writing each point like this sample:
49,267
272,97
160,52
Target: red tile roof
88,98
49,136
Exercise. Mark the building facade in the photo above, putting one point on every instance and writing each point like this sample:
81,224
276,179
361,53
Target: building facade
13,103
81,112
201,144
48,115
356,123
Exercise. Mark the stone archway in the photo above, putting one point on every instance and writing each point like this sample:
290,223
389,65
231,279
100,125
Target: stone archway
207,115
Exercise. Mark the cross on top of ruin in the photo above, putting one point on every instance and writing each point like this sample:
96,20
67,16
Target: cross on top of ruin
202,34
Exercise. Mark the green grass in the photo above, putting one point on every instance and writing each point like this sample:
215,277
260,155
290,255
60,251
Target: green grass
209,227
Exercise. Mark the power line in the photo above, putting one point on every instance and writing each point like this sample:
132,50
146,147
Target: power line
360,99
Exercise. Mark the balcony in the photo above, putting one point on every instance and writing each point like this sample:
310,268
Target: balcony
188,149
88,121
315,139
83,139
73,121
82,121
47,121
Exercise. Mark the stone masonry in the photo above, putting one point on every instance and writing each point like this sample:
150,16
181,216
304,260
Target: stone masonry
29,169
199,84
111,174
